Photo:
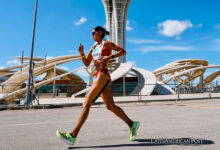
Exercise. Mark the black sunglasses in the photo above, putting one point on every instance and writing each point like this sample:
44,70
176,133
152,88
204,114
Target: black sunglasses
93,32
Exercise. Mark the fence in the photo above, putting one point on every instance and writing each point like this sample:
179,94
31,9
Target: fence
118,89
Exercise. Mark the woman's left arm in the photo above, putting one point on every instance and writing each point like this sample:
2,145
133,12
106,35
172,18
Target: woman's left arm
112,46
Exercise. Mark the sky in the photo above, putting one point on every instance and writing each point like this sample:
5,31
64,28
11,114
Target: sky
158,31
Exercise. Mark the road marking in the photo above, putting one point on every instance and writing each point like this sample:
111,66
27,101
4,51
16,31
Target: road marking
210,106
55,122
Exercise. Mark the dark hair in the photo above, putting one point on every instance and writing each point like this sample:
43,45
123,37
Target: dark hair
100,28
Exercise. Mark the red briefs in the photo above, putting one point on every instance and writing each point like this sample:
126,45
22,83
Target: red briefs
102,70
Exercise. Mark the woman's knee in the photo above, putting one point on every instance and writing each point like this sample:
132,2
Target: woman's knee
87,105
111,107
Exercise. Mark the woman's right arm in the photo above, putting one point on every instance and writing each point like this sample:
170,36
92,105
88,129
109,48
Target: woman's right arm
86,60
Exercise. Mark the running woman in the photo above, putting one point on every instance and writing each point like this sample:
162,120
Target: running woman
100,53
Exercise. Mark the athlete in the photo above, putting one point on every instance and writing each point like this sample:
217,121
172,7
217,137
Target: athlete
100,53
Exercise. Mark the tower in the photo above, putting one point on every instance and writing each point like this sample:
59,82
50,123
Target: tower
116,17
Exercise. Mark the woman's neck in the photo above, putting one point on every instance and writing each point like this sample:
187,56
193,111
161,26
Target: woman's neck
99,41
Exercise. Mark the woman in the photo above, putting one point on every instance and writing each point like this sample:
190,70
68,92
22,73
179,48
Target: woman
100,53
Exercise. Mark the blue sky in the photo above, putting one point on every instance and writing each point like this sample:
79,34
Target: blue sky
158,31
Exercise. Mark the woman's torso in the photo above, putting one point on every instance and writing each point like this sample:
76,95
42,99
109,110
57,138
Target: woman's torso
98,51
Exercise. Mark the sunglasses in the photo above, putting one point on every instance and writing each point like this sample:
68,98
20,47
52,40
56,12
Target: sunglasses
93,32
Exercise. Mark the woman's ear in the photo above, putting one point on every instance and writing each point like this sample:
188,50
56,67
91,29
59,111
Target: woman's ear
100,33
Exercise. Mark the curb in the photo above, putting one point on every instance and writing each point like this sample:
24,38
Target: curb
62,105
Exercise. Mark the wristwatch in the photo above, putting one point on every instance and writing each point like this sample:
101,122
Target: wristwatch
112,56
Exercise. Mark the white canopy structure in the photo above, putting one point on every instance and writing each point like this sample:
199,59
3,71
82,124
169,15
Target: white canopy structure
148,83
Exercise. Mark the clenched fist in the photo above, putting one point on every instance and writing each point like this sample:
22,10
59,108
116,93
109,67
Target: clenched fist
81,49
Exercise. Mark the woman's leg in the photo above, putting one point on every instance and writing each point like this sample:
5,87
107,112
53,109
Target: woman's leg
94,91
108,99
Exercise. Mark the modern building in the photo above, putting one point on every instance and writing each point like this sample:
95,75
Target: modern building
116,17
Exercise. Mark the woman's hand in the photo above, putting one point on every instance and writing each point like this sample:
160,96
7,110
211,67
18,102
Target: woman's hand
102,62
105,59
81,49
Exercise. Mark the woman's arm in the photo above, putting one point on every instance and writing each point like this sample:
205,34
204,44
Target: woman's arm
86,60
112,46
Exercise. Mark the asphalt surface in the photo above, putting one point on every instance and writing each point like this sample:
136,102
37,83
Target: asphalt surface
192,125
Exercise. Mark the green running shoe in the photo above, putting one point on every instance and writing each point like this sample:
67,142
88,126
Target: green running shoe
66,137
133,130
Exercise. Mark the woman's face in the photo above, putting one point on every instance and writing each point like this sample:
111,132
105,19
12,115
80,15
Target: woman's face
97,35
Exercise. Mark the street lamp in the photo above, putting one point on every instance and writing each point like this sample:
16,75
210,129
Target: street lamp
29,96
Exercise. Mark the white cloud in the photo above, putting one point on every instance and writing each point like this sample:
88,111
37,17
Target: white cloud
63,68
83,73
172,28
178,37
133,63
200,25
1,67
217,41
143,41
13,62
80,21
49,57
164,48
217,26
216,45
128,27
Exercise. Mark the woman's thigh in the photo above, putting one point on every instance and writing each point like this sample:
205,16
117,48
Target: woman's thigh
107,96
97,86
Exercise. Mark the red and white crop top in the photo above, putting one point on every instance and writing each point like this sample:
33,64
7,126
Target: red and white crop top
99,50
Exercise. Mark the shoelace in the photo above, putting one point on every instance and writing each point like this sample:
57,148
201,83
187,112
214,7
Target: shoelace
64,135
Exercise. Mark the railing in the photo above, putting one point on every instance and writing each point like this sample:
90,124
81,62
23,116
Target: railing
182,91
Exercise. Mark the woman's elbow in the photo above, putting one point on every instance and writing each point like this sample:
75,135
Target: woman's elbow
86,65
124,52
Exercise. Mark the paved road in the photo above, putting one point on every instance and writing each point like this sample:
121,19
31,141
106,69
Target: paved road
164,125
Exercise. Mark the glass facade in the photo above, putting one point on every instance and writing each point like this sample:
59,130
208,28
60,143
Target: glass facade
117,86
62,86
69,89
49,88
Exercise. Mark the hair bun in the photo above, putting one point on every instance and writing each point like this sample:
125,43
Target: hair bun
106,32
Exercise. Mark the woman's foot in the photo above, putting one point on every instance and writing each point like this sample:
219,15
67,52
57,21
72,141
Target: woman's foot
66,136
133,130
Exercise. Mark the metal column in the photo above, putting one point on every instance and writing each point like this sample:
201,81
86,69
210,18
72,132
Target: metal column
124,89
54,81
30,89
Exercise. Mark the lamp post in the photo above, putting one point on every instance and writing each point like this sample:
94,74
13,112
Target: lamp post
29,96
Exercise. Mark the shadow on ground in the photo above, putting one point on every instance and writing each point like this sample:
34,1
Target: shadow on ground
157,142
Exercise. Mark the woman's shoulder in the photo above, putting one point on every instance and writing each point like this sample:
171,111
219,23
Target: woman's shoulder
108,44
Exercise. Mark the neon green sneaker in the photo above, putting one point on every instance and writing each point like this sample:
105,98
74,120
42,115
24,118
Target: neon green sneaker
66,136
133,130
